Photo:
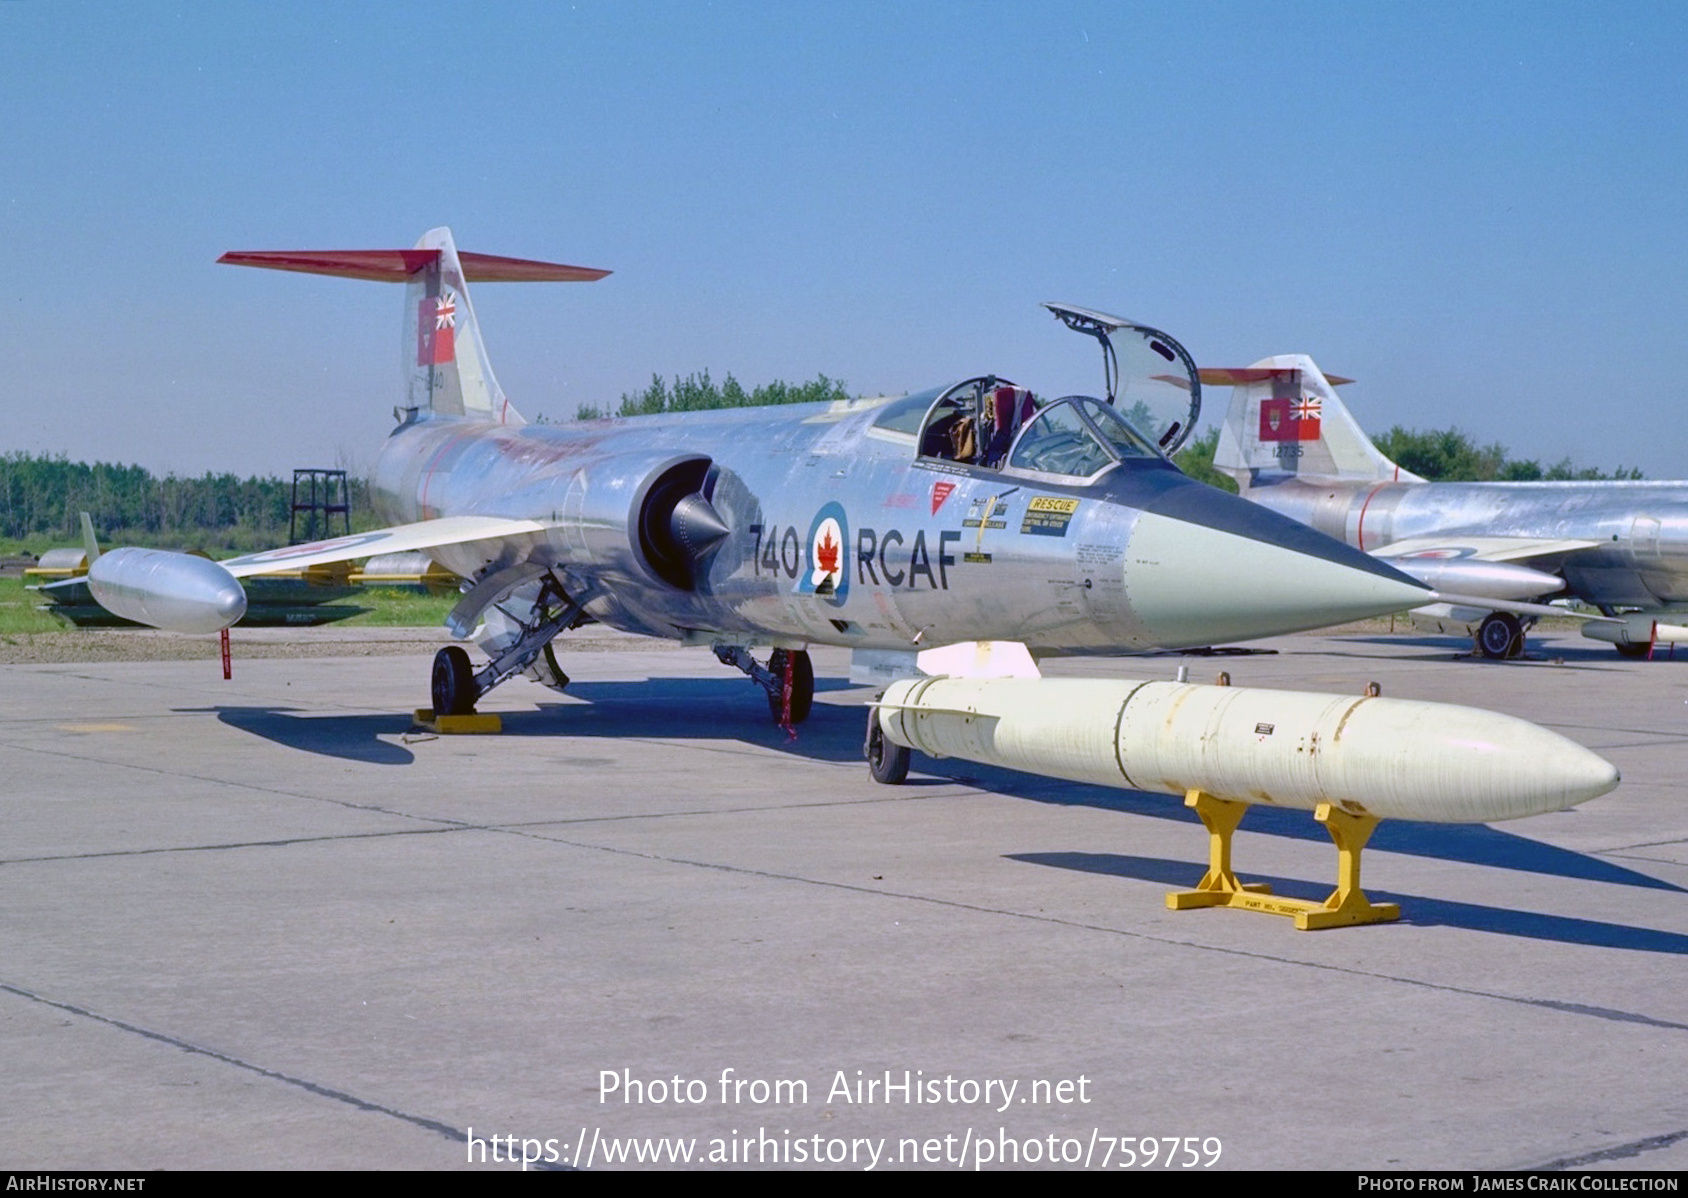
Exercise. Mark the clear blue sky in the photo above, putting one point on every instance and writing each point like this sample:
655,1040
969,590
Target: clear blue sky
1478,210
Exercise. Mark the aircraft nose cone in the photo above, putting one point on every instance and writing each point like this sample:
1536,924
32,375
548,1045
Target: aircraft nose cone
1211,567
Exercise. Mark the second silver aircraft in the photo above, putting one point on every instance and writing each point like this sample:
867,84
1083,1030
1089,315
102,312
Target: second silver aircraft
1621,547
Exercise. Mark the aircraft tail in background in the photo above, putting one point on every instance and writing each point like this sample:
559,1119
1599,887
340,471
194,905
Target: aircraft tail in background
446,367
1285,421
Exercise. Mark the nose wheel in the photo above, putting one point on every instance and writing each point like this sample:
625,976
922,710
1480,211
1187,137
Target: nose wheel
794,673
788,678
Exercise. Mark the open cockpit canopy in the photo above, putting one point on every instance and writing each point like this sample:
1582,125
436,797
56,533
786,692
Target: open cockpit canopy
1151,380
1153,399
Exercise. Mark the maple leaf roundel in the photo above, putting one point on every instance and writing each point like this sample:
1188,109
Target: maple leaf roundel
828,573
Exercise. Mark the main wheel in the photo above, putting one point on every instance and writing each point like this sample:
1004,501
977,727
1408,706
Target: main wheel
454,682
802,685
887,762
1632,650
1500,636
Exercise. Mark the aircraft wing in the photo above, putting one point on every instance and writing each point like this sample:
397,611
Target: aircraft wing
402,538
1482,549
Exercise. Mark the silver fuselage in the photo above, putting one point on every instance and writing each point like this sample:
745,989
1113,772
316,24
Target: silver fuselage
1638,530
933,552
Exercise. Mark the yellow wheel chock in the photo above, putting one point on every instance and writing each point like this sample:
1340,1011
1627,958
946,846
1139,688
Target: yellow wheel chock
1219,886
448,725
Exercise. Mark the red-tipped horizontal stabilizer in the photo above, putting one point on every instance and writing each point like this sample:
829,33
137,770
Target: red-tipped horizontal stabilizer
397,266
1237,376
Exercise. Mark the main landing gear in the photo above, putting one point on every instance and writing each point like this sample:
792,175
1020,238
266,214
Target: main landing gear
457,686
454,689
1500,636
789,679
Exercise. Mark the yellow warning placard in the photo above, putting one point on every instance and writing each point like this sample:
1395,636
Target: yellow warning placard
1048,516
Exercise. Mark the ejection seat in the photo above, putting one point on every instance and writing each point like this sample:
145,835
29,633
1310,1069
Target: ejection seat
974,422
1010,408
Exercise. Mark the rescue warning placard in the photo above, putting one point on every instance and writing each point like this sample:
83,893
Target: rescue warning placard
1047,516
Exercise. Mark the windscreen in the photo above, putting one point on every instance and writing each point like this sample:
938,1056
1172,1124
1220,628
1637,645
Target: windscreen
1060,442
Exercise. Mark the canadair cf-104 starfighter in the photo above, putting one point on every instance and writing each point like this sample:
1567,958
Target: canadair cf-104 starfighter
976,511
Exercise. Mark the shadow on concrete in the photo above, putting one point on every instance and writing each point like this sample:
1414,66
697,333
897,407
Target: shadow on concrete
700,709
349,737
730,708
1472,844
1415,909
669,708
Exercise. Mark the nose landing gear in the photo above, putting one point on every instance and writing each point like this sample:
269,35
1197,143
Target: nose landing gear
789,679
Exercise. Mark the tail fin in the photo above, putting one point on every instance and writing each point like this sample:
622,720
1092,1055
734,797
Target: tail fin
1285,421
445,361
90,542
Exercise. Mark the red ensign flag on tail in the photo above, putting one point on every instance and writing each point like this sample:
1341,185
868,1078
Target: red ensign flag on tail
436,330
1289,420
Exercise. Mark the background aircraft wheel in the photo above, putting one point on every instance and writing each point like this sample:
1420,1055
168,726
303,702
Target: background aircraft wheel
802,685
454,682
887,762
1500,636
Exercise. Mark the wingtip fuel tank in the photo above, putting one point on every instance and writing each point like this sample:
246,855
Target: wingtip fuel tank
1368,756
174,591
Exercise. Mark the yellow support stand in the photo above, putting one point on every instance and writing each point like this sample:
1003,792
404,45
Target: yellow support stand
1219,887
1219,884
449,725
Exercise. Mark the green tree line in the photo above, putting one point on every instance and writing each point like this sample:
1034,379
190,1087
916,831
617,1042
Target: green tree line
1196,460
697,393
1448,455
41,496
